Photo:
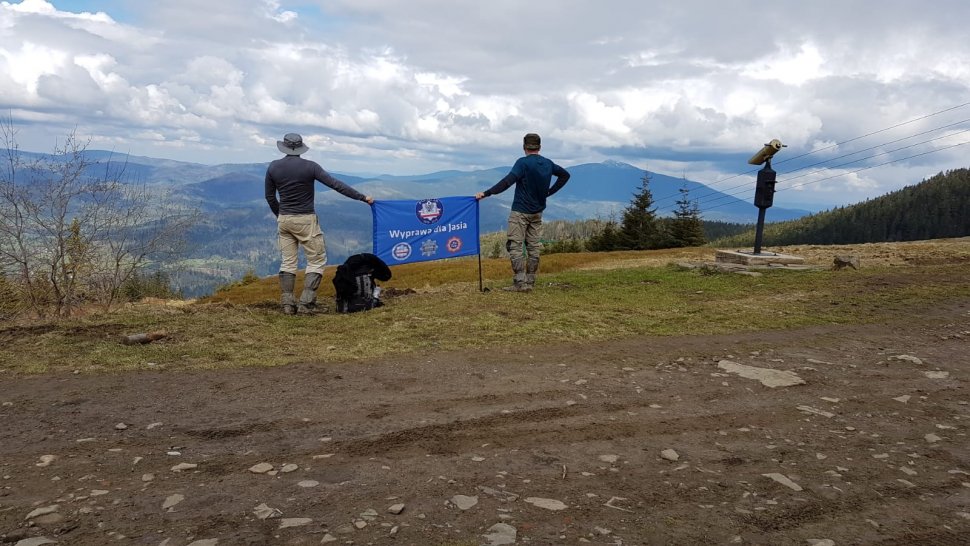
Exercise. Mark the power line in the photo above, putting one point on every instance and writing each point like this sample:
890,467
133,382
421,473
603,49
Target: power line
914,120
863,169
920,118
879,165
725,194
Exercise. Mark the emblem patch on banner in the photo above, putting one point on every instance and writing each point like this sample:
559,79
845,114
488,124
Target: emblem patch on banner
429,211
401,251
453,244
429,247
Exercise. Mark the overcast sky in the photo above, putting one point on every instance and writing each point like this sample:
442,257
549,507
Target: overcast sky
688,88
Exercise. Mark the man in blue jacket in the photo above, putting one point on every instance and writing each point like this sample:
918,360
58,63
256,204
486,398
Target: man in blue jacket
531,176
293,178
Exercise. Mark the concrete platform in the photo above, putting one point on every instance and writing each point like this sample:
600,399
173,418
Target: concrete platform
747,257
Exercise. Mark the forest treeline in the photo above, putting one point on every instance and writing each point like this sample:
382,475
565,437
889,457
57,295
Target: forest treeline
936,208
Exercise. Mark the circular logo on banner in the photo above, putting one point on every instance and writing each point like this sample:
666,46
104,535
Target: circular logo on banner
401,251
428,211
453,244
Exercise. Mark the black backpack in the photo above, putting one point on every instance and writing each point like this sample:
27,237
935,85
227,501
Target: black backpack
355,282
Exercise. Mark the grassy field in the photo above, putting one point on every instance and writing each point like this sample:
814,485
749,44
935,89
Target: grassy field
580,298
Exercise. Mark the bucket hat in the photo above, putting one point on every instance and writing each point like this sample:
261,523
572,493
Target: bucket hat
292,144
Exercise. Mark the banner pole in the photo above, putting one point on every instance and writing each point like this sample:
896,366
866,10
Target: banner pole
481,286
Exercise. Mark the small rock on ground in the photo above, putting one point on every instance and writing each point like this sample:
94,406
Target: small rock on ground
500,534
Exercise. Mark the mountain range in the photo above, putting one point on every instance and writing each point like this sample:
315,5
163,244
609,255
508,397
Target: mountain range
237,232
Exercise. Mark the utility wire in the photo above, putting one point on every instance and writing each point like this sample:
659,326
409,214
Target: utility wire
721,194
668,197
862,169
748,190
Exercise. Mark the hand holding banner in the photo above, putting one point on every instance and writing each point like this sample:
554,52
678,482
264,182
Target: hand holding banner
425,230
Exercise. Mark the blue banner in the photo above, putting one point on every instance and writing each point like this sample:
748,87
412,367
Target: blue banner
425,230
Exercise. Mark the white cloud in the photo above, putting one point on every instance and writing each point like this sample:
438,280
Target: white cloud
419,85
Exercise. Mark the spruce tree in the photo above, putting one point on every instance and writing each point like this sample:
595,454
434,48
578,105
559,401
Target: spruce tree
686,229
639,229
606,240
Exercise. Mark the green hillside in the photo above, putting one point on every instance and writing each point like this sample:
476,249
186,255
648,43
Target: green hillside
938,207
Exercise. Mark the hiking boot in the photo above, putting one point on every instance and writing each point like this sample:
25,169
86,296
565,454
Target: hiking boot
310,309
518,287
287,301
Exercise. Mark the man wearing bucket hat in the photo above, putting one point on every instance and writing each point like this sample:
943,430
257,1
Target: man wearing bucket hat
293,177
531,175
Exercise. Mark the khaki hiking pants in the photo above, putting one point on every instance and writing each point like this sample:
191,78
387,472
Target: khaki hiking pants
296,230
527,229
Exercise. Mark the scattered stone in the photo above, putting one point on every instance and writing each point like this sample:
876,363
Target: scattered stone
147,477
500,534
327,538
609,458
261,468
609,504
46,460
99,492
815,411
784,480
932,438
548,504
49,519
35,541
396,508
153,425
478,459
904,398
841,262
832,400
294,522
464,502
121,426
936,375
907,358
308,483
184,466
263,511
368,515
503,496
908,471
43,511
820,542
670,455
287,468
205,542
881,456
768,377
171,501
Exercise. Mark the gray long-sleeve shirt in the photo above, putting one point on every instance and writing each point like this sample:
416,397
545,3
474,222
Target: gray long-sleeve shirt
293,177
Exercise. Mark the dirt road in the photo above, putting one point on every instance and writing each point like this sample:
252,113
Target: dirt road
536,445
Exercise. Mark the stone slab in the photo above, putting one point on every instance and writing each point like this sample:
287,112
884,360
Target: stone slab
745,257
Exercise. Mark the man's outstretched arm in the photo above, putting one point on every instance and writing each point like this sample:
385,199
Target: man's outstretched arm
501,186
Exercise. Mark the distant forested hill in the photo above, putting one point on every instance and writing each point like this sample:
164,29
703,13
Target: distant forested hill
936,208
